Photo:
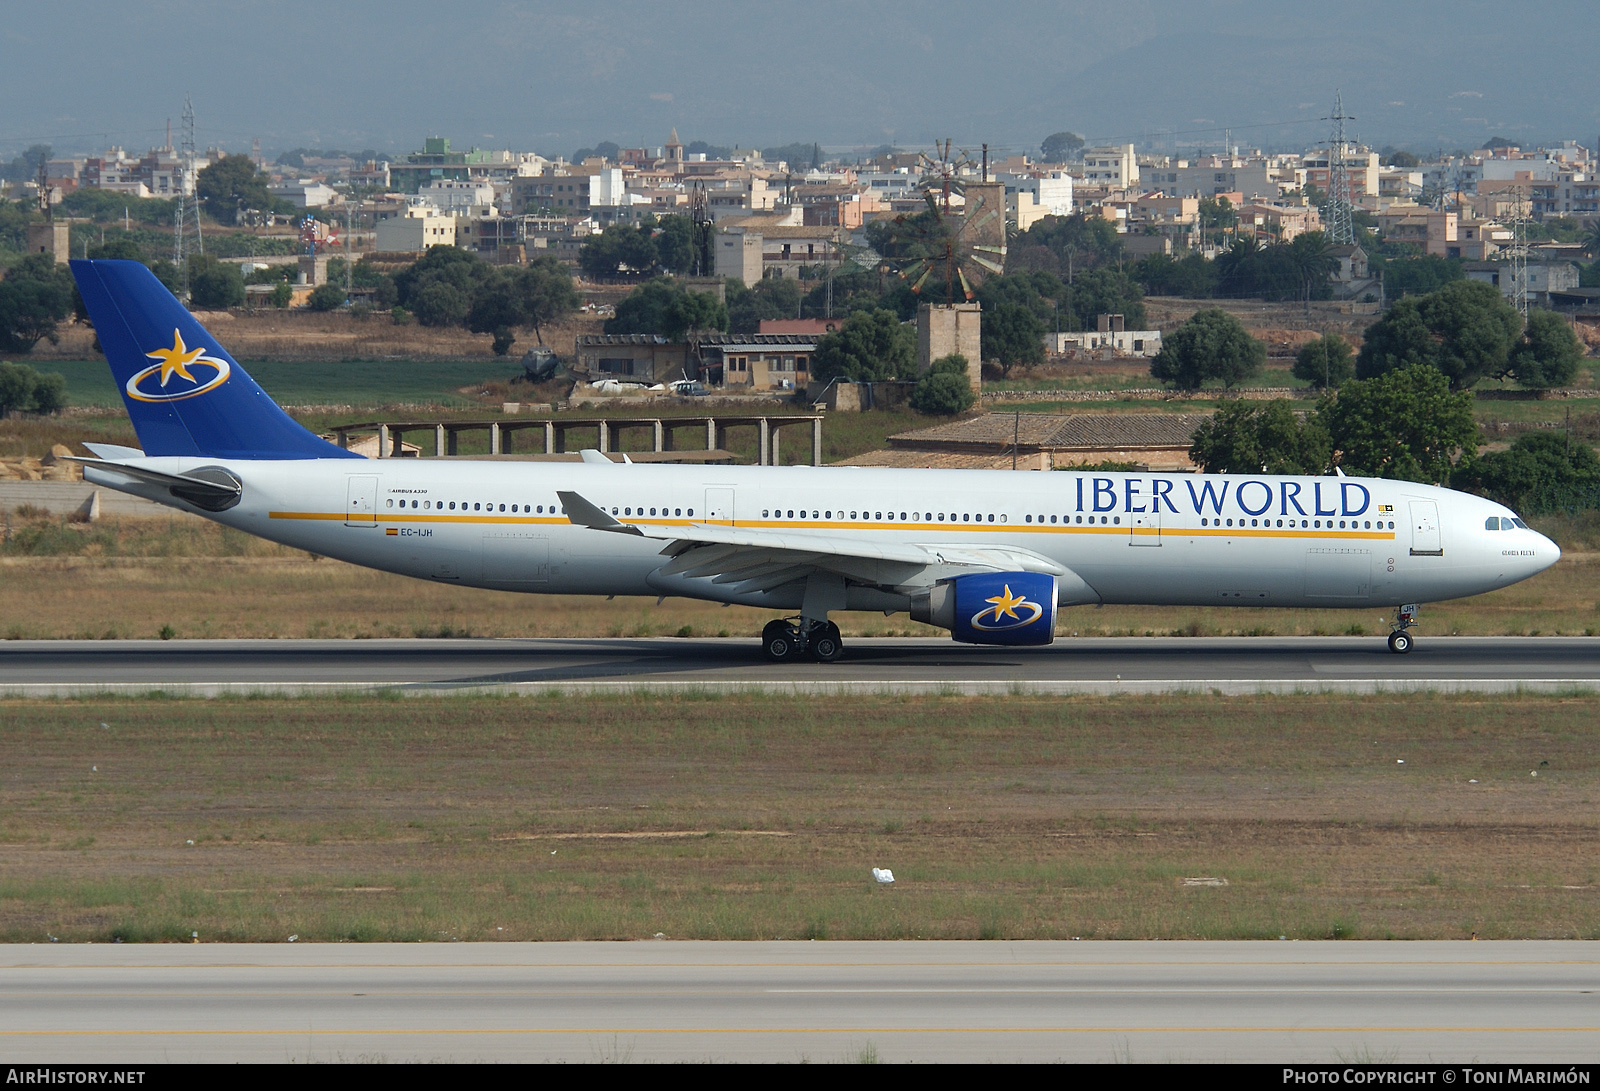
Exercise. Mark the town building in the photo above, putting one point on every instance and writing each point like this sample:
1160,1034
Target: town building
1045,441
1108,338
1113,166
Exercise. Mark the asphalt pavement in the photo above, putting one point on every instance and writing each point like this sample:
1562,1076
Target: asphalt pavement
1325,1002
1127,665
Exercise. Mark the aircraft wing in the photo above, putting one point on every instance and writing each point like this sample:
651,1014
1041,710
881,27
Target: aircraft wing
749,559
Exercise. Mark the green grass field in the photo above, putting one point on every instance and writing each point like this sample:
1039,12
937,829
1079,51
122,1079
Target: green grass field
751,818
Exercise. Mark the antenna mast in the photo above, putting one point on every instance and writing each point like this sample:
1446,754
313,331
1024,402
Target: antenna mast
1341,229
1517,257
187,217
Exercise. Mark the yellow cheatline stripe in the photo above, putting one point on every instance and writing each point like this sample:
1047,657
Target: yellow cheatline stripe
773,524
796,1030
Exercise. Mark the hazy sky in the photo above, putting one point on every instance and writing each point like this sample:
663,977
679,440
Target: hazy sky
553,77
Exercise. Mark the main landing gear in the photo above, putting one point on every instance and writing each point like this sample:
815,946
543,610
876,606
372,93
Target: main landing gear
789,640
1400,641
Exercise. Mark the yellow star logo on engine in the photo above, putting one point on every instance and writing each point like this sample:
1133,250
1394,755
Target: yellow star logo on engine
1006,604
176,360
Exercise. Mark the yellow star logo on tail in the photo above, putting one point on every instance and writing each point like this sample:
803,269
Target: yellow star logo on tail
1006,604
176,360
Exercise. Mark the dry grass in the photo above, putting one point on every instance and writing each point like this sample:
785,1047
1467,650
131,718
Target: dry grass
759,818
133,577
302,334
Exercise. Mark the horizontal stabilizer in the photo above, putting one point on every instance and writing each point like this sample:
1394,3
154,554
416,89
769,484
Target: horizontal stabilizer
209,488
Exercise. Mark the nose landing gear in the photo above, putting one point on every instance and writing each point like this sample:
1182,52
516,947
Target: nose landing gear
1400,641
786,641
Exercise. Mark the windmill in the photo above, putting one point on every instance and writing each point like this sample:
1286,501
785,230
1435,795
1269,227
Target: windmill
955,250
942,170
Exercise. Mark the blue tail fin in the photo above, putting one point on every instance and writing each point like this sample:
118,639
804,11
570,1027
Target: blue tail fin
185,394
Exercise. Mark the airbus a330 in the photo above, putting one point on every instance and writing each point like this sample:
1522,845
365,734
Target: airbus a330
988,555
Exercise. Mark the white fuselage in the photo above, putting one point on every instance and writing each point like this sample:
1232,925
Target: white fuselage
1172,539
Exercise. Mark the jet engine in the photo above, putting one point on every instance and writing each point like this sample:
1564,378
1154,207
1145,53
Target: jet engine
992,607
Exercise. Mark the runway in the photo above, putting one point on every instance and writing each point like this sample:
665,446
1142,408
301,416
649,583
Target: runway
1100,666
1001,1001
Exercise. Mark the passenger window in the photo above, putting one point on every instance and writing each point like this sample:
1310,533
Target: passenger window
691,511
879,515
678,511
1118,520
390,503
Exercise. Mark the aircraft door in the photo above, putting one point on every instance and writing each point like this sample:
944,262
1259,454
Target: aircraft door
361,502
719,506
1144,528
1426,540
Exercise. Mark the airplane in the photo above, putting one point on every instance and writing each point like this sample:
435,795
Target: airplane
990,556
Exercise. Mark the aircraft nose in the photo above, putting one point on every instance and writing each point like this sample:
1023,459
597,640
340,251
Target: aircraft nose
1548,553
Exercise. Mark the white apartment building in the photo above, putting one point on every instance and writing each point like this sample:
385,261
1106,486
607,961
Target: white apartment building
1051,190
1214,174
420,227
889,185
1114,166
454,197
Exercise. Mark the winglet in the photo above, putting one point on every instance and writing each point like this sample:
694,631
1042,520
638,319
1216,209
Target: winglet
584,514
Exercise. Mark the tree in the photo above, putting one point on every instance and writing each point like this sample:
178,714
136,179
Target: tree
618,249
119,246
215,285
1465,330
1106,291
547,294
1058,147
675,244
1012,335
1211,345
869,346
440,303
1260,437
21,387
1325,363
1064,245
1190,276
16,386
230,185
770,297
1403,160
1543,472
282,295
945,390
1548,354
326,297
34,298
1406,424
1416,275
663,306
440,288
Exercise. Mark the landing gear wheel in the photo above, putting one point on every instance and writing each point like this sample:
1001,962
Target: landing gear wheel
1400,642
779,643
826,644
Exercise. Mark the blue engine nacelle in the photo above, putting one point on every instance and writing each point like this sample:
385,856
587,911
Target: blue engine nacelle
993,607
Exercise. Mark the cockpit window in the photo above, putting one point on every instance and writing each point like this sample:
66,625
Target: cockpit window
1520,523
1492,523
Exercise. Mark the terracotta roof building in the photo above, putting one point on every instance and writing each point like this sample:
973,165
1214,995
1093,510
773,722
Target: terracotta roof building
1043,441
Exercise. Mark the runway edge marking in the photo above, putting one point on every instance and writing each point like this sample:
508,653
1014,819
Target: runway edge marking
1227,687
